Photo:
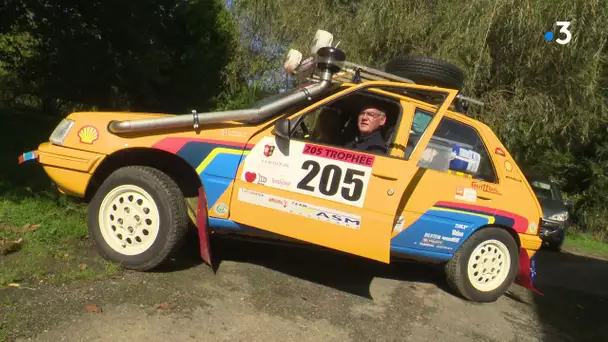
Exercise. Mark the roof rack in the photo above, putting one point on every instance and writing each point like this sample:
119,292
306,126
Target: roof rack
352,71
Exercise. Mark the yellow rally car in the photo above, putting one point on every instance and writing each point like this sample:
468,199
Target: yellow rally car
444,189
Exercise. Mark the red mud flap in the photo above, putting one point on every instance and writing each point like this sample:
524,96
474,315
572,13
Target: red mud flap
203,225
527,271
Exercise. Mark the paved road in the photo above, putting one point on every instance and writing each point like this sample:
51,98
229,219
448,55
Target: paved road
270,293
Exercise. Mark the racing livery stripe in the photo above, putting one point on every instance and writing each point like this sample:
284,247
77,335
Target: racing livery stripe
491,219
498,219
446,225
439,230
215,162
174,144
517,222
216,151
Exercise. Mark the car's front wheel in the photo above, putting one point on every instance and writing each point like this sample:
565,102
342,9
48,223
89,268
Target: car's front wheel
137,217
485,265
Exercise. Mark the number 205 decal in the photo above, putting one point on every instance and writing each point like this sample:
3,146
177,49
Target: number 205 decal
333,179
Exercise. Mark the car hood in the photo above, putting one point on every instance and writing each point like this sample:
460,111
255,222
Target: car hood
90,133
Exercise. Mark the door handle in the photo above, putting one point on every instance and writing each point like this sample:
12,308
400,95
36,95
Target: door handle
386,174
484,198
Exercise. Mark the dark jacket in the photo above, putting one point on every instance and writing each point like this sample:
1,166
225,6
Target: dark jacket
373,143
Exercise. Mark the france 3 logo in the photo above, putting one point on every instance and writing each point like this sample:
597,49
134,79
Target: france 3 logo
563,30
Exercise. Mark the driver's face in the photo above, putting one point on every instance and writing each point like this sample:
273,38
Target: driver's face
369,120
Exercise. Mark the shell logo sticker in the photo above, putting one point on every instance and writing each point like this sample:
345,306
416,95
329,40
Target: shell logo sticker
88,135
508,166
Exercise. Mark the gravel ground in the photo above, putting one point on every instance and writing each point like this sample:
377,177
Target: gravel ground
262,292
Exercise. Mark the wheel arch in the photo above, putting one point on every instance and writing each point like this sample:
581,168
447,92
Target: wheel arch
510,230
174,166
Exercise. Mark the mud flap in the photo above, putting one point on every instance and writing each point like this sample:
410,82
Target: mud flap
202,223
527,271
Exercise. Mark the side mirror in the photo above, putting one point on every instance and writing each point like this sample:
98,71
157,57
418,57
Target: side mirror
568,204
282,128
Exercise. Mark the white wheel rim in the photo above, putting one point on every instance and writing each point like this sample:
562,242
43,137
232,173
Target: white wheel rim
489,265
129,219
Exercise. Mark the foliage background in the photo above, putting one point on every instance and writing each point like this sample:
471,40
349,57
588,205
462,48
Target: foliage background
547,102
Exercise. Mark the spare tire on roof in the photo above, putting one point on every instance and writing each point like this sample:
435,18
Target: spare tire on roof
427,71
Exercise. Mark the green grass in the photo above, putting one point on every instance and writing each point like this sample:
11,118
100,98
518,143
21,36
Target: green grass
586,243
57,249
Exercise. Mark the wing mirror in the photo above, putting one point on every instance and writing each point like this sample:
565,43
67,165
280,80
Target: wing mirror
282,128
568,204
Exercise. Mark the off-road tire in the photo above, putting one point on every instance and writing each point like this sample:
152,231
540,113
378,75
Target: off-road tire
427,71
456,268
172,211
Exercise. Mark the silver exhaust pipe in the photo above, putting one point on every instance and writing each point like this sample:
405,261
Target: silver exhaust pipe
329,61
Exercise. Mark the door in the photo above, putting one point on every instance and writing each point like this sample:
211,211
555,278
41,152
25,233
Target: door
311,188
451,199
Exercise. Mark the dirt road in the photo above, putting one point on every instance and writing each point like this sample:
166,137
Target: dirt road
272,293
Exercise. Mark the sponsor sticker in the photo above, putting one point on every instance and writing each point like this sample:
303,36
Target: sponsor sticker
268,150
532,227
300,208
457,233
466,194
231,133
279,182
508,166
323,172
221,208
335,154
399,224
88,135
439,241
514,179
485,188
252,177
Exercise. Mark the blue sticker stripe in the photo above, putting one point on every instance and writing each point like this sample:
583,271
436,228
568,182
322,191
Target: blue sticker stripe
420,253
438,231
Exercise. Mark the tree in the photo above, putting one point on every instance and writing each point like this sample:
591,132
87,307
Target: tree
147,55
546,101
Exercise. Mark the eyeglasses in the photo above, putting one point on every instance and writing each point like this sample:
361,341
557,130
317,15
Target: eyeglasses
373,115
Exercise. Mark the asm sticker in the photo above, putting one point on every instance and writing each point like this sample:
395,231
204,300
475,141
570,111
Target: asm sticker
333,174
300,208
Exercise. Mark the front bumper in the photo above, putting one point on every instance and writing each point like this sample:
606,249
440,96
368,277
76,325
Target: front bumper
553,230
70,169
530,244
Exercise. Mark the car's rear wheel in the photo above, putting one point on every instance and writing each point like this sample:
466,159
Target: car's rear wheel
137,217
485,265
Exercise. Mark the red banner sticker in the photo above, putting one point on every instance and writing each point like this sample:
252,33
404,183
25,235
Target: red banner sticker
337,154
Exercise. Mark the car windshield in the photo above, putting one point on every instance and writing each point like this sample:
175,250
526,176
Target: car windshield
543,189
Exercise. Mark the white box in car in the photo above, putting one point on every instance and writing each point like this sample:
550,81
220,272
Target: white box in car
437,156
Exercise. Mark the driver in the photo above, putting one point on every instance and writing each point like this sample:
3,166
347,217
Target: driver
370,139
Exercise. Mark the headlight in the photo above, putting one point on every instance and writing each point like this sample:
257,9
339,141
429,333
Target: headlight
61,131
563,216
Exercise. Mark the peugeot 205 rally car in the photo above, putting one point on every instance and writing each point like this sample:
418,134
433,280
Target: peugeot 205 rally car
446,190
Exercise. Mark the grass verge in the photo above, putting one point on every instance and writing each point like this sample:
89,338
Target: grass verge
43,235
586,243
